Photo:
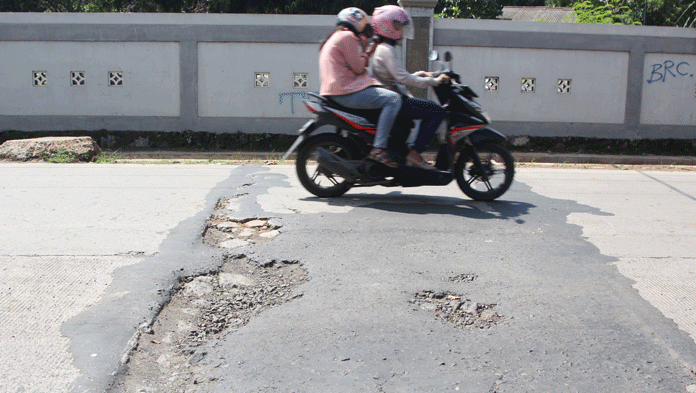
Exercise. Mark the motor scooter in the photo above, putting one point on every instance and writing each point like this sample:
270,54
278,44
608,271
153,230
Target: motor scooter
332,147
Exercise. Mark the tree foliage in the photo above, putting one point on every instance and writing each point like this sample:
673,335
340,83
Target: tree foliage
613,12
470,9
212,6
688,17
660,12
678,13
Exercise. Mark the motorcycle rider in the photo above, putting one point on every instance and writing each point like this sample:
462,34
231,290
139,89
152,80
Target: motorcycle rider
344,78
391,24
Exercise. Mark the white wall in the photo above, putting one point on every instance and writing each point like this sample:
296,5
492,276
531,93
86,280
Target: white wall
598,83
669,89
150,78
197,72
226,84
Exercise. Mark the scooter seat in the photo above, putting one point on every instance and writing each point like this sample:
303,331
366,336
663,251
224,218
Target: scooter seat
370,114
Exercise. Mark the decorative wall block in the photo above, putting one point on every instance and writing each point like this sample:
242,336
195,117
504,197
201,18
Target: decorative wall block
115,78
77,78
40,78
300,80
528,85
262,79
490,83
564,86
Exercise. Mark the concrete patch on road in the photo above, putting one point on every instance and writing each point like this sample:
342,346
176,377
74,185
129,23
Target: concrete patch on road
668,284
649,228
38,295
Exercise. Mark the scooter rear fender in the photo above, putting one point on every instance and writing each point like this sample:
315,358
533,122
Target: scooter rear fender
304,132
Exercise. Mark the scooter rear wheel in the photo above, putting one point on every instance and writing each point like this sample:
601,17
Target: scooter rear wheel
317,179
488,179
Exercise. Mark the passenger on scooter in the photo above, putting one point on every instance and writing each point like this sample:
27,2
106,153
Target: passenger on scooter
391,23
344,77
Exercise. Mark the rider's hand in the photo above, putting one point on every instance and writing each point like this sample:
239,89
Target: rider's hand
443,78
370,50
364,41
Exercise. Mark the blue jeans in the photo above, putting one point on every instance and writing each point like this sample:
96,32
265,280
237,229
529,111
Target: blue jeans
375,98
431,115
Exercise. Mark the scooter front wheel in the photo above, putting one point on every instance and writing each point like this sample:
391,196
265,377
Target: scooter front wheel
317,179
485,174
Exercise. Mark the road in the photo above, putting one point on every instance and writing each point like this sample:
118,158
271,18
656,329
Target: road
588,276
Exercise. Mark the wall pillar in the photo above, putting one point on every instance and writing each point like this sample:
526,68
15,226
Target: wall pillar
416,51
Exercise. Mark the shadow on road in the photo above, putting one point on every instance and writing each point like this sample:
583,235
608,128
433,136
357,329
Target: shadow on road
426,204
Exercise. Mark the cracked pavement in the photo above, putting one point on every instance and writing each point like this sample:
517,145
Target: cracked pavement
591,273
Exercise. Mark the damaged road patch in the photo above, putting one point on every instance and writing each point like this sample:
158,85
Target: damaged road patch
225,232
457,310
202,309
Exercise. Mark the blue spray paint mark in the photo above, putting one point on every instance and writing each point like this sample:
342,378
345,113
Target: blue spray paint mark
302,95
662,71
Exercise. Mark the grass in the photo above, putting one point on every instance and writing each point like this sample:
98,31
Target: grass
190,158
119,157
61,157
114,157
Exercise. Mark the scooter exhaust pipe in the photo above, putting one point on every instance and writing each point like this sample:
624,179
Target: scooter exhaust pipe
336,165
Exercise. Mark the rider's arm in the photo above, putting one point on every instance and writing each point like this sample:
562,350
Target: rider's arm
349,46
385,58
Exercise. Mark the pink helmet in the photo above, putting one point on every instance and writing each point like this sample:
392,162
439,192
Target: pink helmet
393,22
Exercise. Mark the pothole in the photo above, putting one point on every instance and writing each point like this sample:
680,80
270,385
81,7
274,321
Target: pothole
463,278
169,356
224,232
457,310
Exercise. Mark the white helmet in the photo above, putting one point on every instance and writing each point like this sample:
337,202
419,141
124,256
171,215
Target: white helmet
354,18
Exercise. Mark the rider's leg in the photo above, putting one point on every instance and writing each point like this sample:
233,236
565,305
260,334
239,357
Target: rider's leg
375,98
431,114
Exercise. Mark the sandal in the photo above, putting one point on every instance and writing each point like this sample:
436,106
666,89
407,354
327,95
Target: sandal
422,164
383,157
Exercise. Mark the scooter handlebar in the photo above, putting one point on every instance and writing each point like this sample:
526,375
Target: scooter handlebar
453,76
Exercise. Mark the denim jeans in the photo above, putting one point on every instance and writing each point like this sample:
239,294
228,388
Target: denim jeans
431,115
374,98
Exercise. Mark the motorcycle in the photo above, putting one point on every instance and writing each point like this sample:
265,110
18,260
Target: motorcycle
329,163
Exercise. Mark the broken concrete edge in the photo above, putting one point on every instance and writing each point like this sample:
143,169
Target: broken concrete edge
147,326
179,284
175,286
180,280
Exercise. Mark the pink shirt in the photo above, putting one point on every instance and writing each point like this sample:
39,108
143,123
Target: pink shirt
342,65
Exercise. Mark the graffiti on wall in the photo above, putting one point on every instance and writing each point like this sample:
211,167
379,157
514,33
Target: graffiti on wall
302,95
668,70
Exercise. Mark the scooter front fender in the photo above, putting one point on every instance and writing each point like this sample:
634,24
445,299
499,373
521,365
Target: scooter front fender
486,134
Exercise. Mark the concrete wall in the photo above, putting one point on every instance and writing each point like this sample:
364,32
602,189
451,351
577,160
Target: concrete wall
619,87
150,78
228,73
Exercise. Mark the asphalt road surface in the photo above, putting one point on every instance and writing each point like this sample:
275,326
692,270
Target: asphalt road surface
584,281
